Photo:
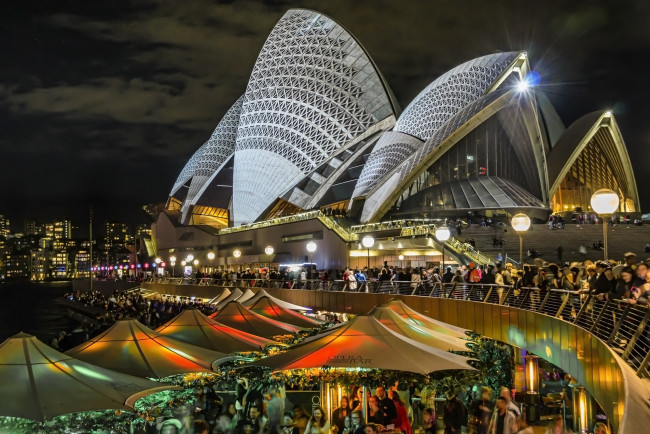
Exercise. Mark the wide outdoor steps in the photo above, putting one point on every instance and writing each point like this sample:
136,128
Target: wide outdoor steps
621,239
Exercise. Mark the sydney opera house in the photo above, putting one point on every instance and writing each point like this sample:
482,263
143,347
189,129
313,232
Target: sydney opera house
317,131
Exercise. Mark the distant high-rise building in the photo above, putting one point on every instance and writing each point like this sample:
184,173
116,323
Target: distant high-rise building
82,264
117,235
4,226
30,227
39,264
63,229
17,264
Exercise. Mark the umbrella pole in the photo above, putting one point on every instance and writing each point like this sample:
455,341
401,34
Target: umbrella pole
364,405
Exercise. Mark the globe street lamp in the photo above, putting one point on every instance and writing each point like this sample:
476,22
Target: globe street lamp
269,251
172,261
368,241
520,223
157,261
311,248
189,258
211,256
442,235
604,202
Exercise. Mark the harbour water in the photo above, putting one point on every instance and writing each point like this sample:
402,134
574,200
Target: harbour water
31,307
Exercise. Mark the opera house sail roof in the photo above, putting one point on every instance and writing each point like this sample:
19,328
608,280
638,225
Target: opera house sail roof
317,128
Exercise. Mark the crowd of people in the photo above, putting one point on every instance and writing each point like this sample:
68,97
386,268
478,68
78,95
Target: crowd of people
257,410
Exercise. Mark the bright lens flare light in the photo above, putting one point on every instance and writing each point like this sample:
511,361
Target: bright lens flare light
522,86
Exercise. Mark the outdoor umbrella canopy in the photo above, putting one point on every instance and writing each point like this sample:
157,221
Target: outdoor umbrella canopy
247,295
262,293
192,327
232,297
40,383
237,316
389,318
364,343
265,306
216,300
132,348
417,318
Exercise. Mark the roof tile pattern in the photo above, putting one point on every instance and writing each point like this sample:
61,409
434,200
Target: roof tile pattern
313,89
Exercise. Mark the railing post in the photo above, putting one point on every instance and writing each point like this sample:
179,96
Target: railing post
597,320
562,305
642,325
471,289
523,301
546,297
617,326
583,308
487,296
505,297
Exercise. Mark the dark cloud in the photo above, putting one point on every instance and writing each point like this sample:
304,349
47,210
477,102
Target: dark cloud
104,102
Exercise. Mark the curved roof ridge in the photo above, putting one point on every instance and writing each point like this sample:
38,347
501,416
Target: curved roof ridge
452,91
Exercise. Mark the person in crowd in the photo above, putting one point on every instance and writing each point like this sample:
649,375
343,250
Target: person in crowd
371,428
287,427
357,404
481,411
256,422
300,418
429,420
557,426
375,412
402,421
448,276
387,405
629,259
347,425
624,284
170,426
512,407
201,427
601,428
523,427
503,421
318,423
605,283
641,272
274,407
454,415
228,420
357,426
339,415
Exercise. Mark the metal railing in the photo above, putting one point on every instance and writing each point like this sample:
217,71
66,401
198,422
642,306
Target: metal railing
623,326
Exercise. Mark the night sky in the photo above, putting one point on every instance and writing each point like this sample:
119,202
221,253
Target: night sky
103,102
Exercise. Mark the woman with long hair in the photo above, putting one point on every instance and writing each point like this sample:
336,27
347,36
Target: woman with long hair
402,422
318,423
338,417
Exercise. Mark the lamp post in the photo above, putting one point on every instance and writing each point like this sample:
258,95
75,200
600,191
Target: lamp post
172,261
211,256
520,223
269,251
604,202
157,261
442,235
401,258
311,248
236,254
368,241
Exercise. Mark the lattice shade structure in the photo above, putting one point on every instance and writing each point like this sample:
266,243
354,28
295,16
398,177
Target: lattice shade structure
313,90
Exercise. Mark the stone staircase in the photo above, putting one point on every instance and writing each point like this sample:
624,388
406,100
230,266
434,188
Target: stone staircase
621,239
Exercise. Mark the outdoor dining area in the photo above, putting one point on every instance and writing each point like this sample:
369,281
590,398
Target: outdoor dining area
254,350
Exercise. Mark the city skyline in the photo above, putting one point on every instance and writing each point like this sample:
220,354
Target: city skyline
123,94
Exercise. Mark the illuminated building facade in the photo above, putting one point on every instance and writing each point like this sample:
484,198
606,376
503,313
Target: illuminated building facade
317,128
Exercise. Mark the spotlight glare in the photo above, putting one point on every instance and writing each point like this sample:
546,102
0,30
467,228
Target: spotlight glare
522,86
